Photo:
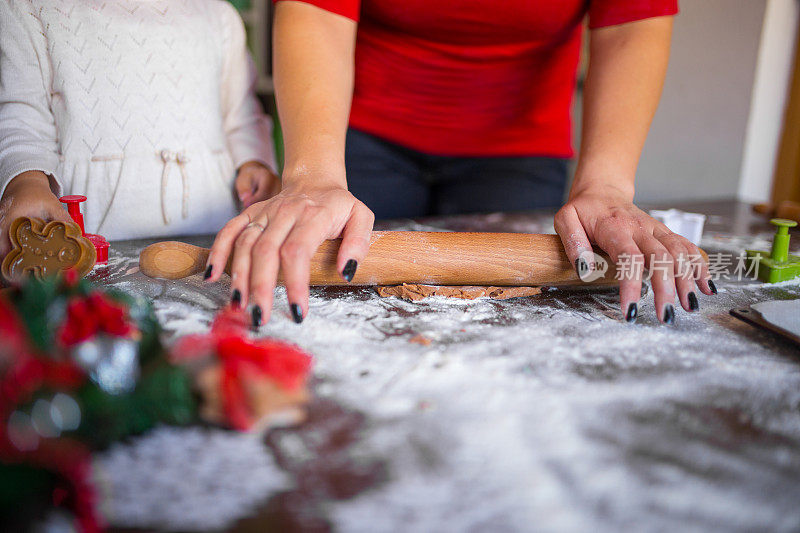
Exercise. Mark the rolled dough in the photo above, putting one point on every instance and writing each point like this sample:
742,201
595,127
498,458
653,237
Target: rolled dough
414,292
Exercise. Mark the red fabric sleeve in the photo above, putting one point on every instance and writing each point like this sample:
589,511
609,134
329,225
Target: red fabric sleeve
612,12
345,8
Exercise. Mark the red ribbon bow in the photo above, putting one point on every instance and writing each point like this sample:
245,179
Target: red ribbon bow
285,364
89,315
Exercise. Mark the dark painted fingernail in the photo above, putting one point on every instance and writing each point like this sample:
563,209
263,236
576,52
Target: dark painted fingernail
712,287
581,267
669,314
297,313
207,275
633,312
694,305
349,270
236,298
257,316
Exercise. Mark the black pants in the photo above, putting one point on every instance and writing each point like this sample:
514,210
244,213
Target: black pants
398,182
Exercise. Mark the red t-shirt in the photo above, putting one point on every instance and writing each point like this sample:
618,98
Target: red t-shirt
474,77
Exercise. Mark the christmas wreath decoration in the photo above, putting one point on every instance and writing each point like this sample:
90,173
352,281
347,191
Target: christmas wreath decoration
82,367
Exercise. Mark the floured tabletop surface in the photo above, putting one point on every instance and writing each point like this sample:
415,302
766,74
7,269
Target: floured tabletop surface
544,413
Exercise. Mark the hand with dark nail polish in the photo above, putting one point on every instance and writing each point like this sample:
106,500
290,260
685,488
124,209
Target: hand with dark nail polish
669,314
207,274
257,314
349,270
633,312
694,305
297,313
236,298
712,286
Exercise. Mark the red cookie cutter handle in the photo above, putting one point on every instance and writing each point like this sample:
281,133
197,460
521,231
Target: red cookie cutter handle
74,209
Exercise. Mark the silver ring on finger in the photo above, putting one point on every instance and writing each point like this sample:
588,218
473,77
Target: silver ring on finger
262,227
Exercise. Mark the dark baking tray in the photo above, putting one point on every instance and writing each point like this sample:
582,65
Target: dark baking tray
754,318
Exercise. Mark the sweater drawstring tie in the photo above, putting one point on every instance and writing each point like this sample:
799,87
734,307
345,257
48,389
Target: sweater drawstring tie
180,159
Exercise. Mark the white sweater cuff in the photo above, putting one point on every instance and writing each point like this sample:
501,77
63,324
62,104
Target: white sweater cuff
253,144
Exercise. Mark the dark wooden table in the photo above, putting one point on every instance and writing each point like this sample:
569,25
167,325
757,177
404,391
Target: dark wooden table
537,414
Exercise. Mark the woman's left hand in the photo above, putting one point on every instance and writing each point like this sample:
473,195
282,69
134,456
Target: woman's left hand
631,237
256,183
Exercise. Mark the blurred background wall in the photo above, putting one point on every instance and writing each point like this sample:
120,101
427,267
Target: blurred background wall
717,130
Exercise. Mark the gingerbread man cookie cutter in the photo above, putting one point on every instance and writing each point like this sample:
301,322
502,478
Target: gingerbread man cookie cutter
43,250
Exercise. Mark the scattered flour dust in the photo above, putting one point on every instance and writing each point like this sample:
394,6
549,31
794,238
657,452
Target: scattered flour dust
735,244
185,479
523,416
545,414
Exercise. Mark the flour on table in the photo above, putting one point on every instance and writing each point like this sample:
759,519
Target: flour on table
186,479
547,414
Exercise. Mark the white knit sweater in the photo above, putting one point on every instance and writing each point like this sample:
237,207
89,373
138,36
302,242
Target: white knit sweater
144,106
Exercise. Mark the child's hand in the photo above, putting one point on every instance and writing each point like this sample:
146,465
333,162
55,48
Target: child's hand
255,183
28,195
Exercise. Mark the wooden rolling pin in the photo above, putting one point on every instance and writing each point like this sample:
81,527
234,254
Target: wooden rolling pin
396,257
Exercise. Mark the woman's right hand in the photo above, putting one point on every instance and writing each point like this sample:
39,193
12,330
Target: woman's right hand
28,195
283,233
314,71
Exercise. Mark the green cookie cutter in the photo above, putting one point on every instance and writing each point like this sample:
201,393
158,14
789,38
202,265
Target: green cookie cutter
777,265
